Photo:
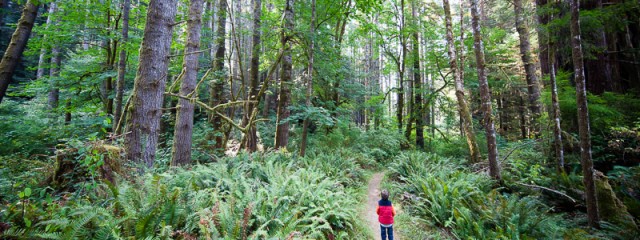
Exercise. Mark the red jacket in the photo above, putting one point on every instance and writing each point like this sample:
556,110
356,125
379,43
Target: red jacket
385,212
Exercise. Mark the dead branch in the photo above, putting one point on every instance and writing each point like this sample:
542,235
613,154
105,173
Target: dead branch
548,189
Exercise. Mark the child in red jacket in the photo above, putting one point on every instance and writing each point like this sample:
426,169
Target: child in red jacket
385,213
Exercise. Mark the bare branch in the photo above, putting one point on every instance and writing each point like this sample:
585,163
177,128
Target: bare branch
204,105
548,189
189,53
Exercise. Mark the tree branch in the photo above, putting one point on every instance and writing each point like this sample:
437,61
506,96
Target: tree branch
548,189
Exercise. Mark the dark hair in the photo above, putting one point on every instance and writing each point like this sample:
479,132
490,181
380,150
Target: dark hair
384,194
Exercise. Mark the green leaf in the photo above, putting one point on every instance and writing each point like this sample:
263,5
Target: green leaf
27,192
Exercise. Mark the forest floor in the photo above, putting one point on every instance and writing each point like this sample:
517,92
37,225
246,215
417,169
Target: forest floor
372,202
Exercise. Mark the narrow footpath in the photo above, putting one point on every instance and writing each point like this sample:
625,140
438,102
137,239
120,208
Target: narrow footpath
372,203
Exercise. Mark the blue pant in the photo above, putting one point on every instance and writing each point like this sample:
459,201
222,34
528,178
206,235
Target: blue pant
386,232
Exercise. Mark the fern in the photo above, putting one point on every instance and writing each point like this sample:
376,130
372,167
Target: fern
252,196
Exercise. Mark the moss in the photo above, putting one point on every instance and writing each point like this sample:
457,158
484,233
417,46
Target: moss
69,170
611,209
112,161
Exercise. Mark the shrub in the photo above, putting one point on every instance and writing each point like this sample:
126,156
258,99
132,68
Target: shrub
244,197
444,193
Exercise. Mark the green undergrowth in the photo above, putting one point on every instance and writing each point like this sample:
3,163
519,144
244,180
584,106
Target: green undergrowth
275,195
442,193
446,198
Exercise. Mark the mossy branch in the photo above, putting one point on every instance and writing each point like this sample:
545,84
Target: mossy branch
204,105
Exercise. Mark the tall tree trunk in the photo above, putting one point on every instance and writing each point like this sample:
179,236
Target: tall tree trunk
216,87
282,130
500,111
598,69
485,94
504,115
85,35
410,109
111,52
400,110
54,69
417,80
122,64
54,72
583,117
389,102
146,102
43,51
377,59
18,42
533,86
237,36
210,16
463,106
557,130
251,108
181,152
305,124
522,110
400,103
543,20
42,60
367,82
629,46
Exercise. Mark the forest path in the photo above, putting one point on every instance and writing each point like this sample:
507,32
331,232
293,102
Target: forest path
372,203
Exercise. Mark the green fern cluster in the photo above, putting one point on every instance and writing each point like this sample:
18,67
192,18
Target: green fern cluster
443,192
369,147
244,197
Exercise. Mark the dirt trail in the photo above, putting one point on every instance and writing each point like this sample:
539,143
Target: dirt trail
372,203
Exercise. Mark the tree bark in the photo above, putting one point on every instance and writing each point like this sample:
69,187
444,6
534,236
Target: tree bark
463,106
146,102
216,87
210,16
54,72
237,36
598,70
111,47
533,86
305,124
629,46
43,51
54,69
417,80
583,117
181,152
485,94
377,59
254,75
282,130
18,42
122,64
401,65
557,130
410,109
522,111
543,20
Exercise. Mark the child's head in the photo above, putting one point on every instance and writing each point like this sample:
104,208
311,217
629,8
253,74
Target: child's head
384,194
